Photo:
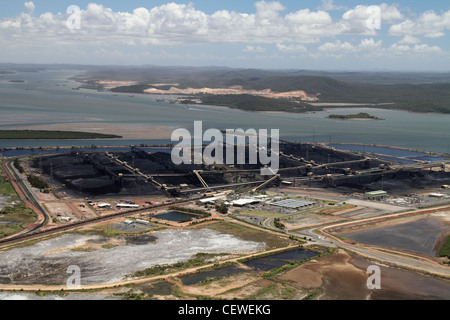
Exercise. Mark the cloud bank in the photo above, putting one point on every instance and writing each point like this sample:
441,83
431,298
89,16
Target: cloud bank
271,23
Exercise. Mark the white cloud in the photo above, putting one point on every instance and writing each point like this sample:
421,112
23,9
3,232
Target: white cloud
30,6
366,45
364,19
410,40
337,46
328,5
174,24
292,48
254,49
429,24
424,48
399,48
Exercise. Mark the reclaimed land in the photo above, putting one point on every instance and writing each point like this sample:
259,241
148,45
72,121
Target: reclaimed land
50,135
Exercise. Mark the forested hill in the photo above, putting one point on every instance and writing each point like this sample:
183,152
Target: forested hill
418,92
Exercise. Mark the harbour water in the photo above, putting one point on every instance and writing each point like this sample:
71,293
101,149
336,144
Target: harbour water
47,97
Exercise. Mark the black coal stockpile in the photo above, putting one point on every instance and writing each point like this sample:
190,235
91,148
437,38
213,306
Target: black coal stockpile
93,174
160,163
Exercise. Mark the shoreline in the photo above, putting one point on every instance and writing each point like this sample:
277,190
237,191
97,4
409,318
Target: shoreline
126,131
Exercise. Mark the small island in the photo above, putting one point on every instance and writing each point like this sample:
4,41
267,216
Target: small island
49,135
359,116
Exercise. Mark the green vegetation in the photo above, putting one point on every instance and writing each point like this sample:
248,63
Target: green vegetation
428,97
312,295
223,209
275,291
6,188
199,260
260,213
18,166
131,89
257,103
18,215
413,92
37,182
445,249
361,115
278,224
44,135
131,296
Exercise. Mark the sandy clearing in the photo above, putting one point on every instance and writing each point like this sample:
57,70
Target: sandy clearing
340,278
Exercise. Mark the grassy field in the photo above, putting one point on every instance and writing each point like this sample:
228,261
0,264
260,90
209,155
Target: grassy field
18,214
275,291
445,249
199,260
49,135
261,213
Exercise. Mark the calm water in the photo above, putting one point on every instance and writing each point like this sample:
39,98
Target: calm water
48,98
391,153
417,236
174,216
195,278
259,264
278,260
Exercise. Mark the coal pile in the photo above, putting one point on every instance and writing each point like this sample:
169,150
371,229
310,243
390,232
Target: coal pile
93,176
160,163
399,183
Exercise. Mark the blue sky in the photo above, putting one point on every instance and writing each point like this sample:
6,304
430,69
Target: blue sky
327,34
13,8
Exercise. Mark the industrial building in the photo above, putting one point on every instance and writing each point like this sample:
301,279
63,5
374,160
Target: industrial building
144,222
127,206
376,195
245,202
292,204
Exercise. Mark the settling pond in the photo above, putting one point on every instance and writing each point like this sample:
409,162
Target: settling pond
175,216
418,236
263,264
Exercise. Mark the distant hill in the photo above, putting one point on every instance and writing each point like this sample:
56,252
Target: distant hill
418,92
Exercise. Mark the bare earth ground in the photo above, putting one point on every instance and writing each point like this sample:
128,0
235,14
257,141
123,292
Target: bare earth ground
340,276
340,279
236,90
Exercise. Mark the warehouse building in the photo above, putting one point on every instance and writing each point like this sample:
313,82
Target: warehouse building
245,202
292,204
376,195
